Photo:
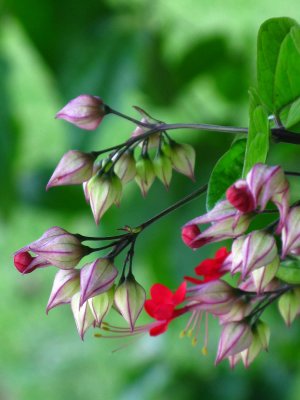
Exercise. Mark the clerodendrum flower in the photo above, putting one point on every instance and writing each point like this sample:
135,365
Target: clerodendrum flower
162,306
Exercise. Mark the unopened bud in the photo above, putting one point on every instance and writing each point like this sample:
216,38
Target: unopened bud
85,111
289,305
66,284
96,277
129,299
235,337
145,174
83,315
74,168
183,158
163,168
125,167
103,191
101,304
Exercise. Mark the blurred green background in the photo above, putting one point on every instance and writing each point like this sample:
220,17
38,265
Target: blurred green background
183,61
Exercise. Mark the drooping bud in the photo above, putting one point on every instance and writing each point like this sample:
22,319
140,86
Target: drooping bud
235,337
62,250
264,275
260,341
66,284
216,297
25,263
103,191
145,174
259,249
83,315
240,196
226,228
74,168
221,211
96,277
237,312
289,305
163,168
125,167
291,233
85,111
101,304
129,299
183,158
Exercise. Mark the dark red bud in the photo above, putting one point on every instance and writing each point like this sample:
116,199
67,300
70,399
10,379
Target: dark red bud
240,196
188,234
22,261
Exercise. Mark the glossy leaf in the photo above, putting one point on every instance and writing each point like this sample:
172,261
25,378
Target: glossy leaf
258,134
271,35
227,170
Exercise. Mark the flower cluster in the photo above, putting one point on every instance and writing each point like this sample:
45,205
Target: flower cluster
91,290
103,179
256,256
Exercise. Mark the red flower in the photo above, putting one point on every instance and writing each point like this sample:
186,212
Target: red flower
211,268
162,306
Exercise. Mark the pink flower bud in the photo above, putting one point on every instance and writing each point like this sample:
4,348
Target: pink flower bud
235,337
103,191
74,168
101,304
240,196
129,299
59,248
84,111
259,249
66,284
291,233
216,297
145,174
183,158
96,277
83,315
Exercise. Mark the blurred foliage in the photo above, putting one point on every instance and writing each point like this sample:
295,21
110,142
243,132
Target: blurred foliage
183,62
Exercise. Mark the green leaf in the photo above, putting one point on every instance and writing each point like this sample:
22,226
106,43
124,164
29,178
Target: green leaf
287,77
290,116
226,171
271,35
258,134
289,271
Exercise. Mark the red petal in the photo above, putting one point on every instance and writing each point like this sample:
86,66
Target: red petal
159,329
161,294
193,280
179,295
150,307
222,253
207,266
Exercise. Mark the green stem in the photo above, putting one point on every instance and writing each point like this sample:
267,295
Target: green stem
175,206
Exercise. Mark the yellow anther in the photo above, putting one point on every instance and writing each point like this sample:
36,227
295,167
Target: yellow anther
182,334
194,341
204,350
98,335
190,332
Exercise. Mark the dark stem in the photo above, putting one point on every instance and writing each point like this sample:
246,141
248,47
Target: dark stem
180,203
292,173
